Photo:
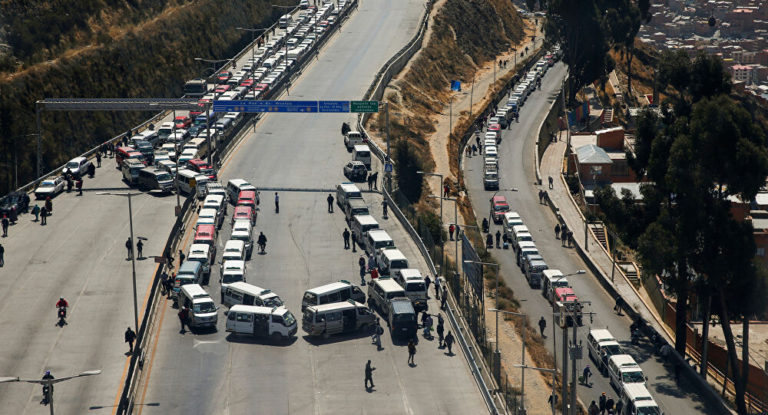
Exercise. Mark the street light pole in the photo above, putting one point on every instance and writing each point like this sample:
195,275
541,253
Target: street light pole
49,383
541,369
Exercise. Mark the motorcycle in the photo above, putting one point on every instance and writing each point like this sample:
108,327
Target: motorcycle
62,316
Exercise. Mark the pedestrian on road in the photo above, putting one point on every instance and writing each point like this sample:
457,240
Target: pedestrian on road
474,150
2,256
49,205
384,208
169,283
444,298
563,235
262,241
428,327
183,315
469,152
163,283
427,281
277,203
541,196
440,330
129,247
542,326
609,405
130,337
371,262
377,332
330,203
617,307
437,287
601,403
446,190
375,180
139,249
586,374
593,410
570,238
619,407
411,352
450,231
6,223
43,216
370,183
79,186
181,257
361,263
449,342
557,231
551,183
354,242
369,375
36,212
14,216
98,159
498,237
345,235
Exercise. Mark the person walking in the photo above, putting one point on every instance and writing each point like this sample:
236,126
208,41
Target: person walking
450,231
569,234
444,298
36,212
446,190
427,326
593,410
551,183
98,159
354,242
586,374
6,223
449,342
601,403
181,257
330,203
79,186
411,353
427,281
49,205
43,216
369,375
617,307
183,315
139,249
361,264
563,235
498,238
384,208
437,287
345,235
557,231
619,407
542,326
130,337
440,330
375,180
377,332
129,247
609,405
277,203
2,256
163,283
262,241
371,262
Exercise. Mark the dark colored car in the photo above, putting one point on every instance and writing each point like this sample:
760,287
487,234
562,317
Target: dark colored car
19,200
402,318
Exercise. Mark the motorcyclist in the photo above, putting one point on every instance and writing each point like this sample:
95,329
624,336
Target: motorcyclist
62,305
485,224
46,393
262,241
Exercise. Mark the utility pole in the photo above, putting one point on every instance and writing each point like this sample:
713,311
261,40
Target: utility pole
389,159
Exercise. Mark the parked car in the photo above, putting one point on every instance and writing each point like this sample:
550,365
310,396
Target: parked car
356,171
78,166
18,200
50,187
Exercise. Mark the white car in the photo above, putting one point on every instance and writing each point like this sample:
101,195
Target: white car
50,187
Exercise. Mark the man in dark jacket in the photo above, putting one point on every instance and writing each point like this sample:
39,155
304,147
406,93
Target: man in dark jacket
130,337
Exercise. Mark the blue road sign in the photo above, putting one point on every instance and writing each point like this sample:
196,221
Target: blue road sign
333,106
388,167
264,106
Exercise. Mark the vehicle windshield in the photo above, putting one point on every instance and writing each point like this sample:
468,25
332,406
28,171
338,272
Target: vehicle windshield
632,377
288,319
404,318
47,183
273,302
310,298
612,349
648,410
206,307
415,286
230,278
242,237
163,177
501,208
73,165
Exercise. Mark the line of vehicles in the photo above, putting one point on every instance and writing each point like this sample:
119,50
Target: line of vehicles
505,116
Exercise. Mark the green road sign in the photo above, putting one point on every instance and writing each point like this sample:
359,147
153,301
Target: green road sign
364,106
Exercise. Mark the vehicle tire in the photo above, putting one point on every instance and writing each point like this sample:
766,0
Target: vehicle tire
276,337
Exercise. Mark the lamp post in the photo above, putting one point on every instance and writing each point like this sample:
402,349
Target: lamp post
542,369
285,42
440,189
253,53
49,383
133,256
497,360
554,329
208,111
455,223
523,318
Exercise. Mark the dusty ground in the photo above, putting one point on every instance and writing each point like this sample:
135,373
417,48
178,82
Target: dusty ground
758,340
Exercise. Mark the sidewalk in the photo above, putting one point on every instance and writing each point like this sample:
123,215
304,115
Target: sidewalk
552,165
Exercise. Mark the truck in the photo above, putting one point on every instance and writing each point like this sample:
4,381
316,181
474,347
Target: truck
567,304
353,138
195,87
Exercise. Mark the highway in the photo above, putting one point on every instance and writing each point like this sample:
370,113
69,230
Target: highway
517,171
215,373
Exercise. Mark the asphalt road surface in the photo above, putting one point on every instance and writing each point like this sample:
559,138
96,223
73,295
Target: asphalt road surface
517,171
213,372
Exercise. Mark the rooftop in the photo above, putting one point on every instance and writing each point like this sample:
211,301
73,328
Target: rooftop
592,154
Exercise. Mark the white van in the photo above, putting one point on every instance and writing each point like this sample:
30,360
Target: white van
285,21
380,291
214,201
232,271
332,293
622,369
247,294
415,287
601,345
638,401
202,309
210,217
202,254
552,279
491,152
346,191
377,239
185,179
234,250
361,224
242,231
363,154
391,260
273,322
525,249
342,317
510,220
235,186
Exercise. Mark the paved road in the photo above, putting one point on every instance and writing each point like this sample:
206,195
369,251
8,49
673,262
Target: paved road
518,172
215,373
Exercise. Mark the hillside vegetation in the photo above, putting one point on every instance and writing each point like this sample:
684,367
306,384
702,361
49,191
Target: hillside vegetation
116,48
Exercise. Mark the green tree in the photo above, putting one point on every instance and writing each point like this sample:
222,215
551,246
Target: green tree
408,180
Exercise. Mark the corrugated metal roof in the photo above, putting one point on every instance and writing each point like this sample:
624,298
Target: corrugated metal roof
592,154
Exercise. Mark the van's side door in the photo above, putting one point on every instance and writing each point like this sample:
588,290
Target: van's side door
334,323
249,299
244,323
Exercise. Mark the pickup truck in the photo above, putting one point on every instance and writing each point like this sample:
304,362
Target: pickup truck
353,138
